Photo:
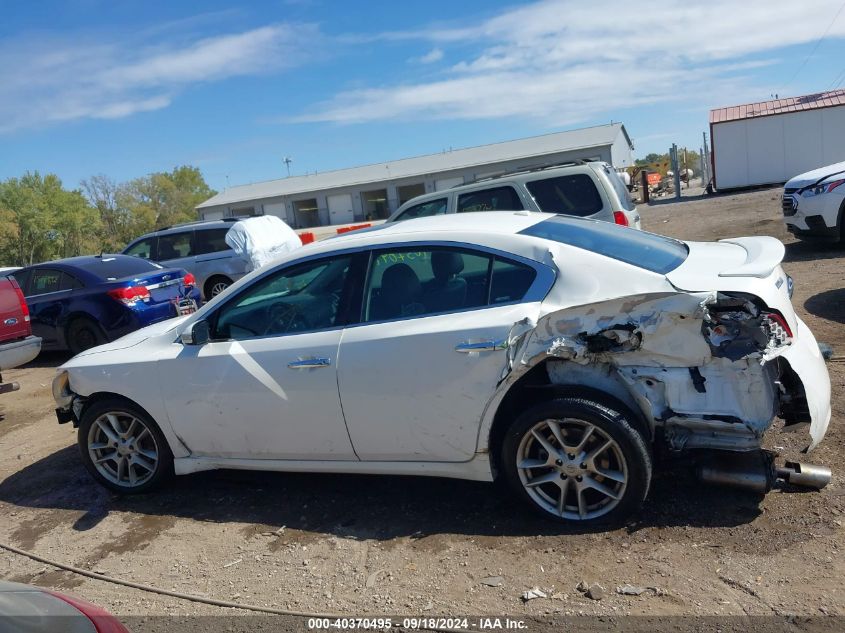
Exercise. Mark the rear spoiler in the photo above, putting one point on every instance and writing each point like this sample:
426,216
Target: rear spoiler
762,256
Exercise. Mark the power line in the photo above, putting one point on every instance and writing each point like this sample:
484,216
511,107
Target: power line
816,47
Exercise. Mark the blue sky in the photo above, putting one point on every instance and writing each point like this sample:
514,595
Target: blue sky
124,88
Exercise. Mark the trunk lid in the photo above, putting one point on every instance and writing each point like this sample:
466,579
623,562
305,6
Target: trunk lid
739,265
164,285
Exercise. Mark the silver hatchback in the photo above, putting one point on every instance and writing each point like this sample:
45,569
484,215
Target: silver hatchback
198,247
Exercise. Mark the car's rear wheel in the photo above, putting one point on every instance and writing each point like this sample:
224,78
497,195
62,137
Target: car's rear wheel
84,333
123,448
216,285
577,461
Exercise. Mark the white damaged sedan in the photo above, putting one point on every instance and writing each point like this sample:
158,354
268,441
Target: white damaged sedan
555,352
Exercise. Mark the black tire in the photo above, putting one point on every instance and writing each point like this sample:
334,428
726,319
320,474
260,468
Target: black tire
84,333
628,461
214,286
147,479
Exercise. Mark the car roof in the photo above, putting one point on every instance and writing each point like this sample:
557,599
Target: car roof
79,260
200,225
494,229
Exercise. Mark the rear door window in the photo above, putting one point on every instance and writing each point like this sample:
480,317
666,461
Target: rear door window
45,280
175,246
575,194
496,199
211,241
413,282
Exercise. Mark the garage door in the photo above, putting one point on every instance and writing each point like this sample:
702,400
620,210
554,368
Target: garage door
340,209
447,183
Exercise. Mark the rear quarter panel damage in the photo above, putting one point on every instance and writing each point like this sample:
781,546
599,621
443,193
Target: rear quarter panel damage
704,367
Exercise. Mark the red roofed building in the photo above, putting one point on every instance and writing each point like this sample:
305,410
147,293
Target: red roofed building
772,141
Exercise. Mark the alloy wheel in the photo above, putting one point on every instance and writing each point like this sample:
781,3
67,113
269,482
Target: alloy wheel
572,469
122,449
218,287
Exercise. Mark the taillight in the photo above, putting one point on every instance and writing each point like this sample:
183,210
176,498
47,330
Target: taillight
189,280
130,296
21,298
778,326
103,621
620,218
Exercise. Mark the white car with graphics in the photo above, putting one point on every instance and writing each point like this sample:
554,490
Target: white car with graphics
814,204
549,350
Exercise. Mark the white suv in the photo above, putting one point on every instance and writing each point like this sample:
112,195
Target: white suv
584,189
814,202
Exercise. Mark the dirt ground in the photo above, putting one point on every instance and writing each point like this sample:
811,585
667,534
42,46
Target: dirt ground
419,546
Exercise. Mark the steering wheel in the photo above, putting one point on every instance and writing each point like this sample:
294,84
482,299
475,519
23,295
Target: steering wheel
284,317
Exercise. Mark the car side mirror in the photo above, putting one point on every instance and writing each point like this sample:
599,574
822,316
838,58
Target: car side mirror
197,333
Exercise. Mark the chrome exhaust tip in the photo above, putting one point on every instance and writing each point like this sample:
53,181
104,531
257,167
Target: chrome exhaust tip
808,475
755,471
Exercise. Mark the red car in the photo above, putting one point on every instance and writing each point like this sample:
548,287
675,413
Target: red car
17,344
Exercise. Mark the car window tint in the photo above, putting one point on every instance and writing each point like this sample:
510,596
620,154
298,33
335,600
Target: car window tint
575,194
424,209
511,281
174,246
69,282
211,241
415,282
646,250
496,199
142,248
22,277
45,280
110,267
303,298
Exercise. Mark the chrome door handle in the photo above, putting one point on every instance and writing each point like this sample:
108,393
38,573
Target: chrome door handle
310,363
483,346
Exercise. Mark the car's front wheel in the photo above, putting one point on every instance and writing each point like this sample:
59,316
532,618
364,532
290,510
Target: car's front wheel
123,448
577,461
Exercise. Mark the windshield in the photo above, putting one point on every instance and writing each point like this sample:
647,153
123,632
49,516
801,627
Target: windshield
656,253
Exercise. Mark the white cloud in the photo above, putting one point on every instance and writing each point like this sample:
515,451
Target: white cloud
434,55
45,80
564,61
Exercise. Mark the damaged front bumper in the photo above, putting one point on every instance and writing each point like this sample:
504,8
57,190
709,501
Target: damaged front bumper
68,404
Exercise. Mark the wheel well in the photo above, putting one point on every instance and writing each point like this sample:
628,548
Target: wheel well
79,316
535,387
107,395
206,289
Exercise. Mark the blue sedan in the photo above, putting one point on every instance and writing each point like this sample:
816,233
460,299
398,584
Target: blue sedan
80,302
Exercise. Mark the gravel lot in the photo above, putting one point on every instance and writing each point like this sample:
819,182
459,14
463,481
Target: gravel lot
360,544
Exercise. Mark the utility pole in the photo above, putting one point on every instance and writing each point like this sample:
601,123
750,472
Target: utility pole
287,161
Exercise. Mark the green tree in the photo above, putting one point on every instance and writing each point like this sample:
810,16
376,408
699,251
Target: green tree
41,220
165,198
